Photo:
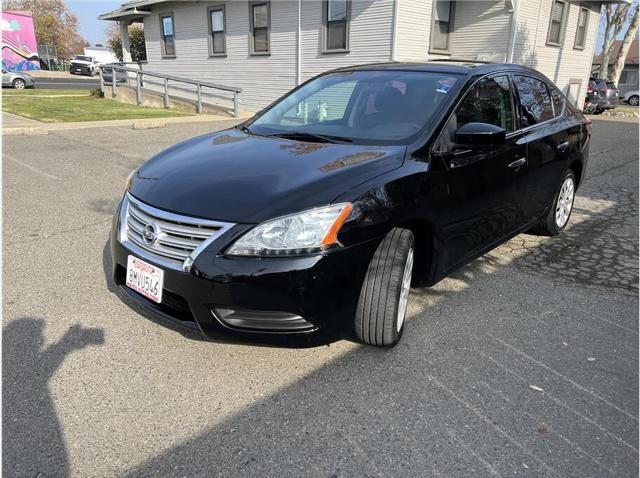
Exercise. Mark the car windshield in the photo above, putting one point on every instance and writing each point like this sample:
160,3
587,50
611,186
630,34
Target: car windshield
379,107
83,58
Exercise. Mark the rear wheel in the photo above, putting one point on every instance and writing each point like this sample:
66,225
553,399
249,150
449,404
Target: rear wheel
19,84
385,291
634,100
558,216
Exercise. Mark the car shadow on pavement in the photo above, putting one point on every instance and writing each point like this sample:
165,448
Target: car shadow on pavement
32,437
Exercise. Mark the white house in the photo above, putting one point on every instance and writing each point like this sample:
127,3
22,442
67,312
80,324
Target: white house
267,47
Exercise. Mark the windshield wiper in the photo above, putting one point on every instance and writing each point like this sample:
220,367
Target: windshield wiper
302,135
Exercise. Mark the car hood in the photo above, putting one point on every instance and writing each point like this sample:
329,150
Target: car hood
237,177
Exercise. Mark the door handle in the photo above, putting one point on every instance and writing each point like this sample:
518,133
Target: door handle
518,162
563,146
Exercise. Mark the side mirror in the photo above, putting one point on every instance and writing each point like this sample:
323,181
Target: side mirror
480,134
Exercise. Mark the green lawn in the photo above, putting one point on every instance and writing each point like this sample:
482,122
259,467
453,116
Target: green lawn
35,105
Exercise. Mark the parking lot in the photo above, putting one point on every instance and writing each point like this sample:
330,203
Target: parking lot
523,363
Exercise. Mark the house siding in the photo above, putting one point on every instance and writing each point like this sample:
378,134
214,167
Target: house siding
413,27
380,30
486,20
562,64
370,35
262,78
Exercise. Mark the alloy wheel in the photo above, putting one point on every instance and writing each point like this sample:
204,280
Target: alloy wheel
404,292
634,100
565,202
18,84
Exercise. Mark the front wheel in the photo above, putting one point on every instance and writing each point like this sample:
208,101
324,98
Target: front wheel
385,291
19,84
558,216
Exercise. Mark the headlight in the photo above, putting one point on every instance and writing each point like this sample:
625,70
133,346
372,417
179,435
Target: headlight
306,232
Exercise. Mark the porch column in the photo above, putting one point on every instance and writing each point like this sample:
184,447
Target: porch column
124,35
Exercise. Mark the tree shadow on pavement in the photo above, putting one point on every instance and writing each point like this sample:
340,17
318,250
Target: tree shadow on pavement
32,437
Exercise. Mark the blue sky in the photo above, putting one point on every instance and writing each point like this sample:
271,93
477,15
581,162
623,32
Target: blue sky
87,12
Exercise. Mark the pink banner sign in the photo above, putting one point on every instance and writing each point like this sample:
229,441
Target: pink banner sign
19,48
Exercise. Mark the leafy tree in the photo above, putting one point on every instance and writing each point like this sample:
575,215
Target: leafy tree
136,42
54,24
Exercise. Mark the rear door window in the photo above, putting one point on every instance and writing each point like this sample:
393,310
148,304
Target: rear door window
535,100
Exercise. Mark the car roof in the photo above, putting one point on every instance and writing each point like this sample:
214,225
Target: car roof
456,66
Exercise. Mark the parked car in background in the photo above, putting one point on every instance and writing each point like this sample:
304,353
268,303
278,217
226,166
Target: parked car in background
316,216
83,65
17,79
601,95
632,97
107,73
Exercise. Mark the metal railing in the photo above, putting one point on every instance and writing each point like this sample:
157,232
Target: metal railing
139,74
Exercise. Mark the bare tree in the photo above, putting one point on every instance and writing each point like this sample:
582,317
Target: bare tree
616,69
615,17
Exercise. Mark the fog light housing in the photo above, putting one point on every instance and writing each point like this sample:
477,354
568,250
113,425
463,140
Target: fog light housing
259,320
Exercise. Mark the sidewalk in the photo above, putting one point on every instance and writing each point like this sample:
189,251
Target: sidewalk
14,125
58,74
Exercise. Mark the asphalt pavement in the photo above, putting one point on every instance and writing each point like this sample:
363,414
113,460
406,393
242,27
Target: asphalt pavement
73,82
523,363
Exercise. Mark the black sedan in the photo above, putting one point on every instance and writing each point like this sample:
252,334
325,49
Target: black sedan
314,218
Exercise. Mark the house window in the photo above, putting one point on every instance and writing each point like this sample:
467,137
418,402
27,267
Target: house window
260,19
556,22
217,41
581,31
628,77
336,26
441,26
168,36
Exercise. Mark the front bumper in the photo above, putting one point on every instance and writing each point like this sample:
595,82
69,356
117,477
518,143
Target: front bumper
321,289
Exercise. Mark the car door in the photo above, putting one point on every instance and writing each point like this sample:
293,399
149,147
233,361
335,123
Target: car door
549,138
482,183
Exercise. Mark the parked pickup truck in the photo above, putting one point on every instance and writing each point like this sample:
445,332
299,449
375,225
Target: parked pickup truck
83,65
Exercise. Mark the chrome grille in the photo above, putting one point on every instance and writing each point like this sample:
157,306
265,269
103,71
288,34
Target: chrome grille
169,239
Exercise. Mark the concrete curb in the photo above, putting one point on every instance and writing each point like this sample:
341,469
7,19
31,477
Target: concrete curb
149,123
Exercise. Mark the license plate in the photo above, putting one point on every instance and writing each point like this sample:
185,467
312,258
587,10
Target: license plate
144,278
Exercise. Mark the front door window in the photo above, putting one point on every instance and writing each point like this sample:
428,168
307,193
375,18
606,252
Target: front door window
488,101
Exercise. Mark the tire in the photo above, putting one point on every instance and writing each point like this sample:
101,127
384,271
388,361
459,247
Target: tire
382,305
634,100
558,216
19,84
599,110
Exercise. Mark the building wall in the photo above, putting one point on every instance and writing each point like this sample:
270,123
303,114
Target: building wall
380,30
481,30
569,68
265,78
413,27
369,39
627,82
